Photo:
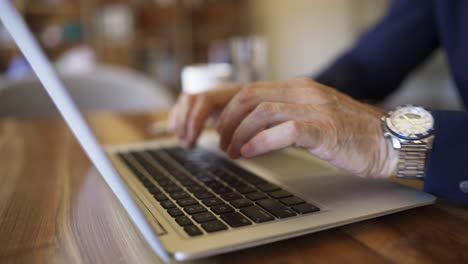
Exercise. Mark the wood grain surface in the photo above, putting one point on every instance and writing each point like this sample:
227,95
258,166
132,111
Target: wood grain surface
55,208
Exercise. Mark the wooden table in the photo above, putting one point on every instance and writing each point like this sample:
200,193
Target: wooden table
55,208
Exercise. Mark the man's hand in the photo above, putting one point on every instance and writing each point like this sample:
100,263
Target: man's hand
187,118
266,116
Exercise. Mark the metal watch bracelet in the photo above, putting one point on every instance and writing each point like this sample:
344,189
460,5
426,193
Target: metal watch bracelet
412,160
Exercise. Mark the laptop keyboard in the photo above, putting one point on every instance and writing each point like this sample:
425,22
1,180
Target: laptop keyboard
205,193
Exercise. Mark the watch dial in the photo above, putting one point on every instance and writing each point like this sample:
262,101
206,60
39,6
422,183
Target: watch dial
411,122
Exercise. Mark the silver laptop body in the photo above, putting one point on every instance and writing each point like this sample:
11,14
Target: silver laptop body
341,198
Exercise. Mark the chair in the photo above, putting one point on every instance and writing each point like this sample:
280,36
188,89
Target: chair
105,88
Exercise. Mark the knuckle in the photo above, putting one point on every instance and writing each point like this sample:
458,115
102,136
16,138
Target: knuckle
294,129
264,109
248,91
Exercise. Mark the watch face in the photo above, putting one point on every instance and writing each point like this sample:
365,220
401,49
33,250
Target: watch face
410,122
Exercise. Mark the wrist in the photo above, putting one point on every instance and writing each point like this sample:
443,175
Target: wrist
386,164
383,162
390,166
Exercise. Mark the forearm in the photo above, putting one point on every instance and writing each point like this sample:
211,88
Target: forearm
377,64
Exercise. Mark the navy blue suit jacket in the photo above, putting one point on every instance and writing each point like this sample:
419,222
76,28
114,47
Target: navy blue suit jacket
384,56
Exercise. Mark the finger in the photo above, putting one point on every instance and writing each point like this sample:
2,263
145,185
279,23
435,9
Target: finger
182,114
171,121
267,115
200,112
251,95
289,133
242,103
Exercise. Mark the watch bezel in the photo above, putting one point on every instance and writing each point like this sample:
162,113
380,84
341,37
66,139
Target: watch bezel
416,136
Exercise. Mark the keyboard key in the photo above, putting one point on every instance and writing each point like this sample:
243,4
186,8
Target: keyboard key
203,195
212,201
167,204
234,182
253,179
192,230
171,169
235,219
187,182
186,201
179,195
222,209
275,208
146,182
155,155
148,166
245,189
291,201
203,217
305,208
214,226
257,214
172,188
213,184
268,187
160,197
183,220
241,203
280,194
256,196
196,188
222,190
202,174
231,196
159,177
194,209
175,212
166,182
178,174
154,190
245,175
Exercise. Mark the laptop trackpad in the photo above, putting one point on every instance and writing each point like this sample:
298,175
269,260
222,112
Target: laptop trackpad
292,167
300,172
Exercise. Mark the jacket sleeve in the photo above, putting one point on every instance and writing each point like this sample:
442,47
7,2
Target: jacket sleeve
446,170
383,56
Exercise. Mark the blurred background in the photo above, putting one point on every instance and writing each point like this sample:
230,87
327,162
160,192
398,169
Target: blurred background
109,50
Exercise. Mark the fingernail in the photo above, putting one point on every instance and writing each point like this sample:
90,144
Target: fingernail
247,150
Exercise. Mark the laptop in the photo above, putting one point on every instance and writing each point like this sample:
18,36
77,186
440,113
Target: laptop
190,204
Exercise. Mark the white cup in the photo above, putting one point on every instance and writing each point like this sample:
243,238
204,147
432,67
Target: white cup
202,77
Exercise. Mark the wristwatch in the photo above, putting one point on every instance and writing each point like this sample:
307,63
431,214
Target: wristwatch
411,131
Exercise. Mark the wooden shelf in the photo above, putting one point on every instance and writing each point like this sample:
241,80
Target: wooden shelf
178,33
